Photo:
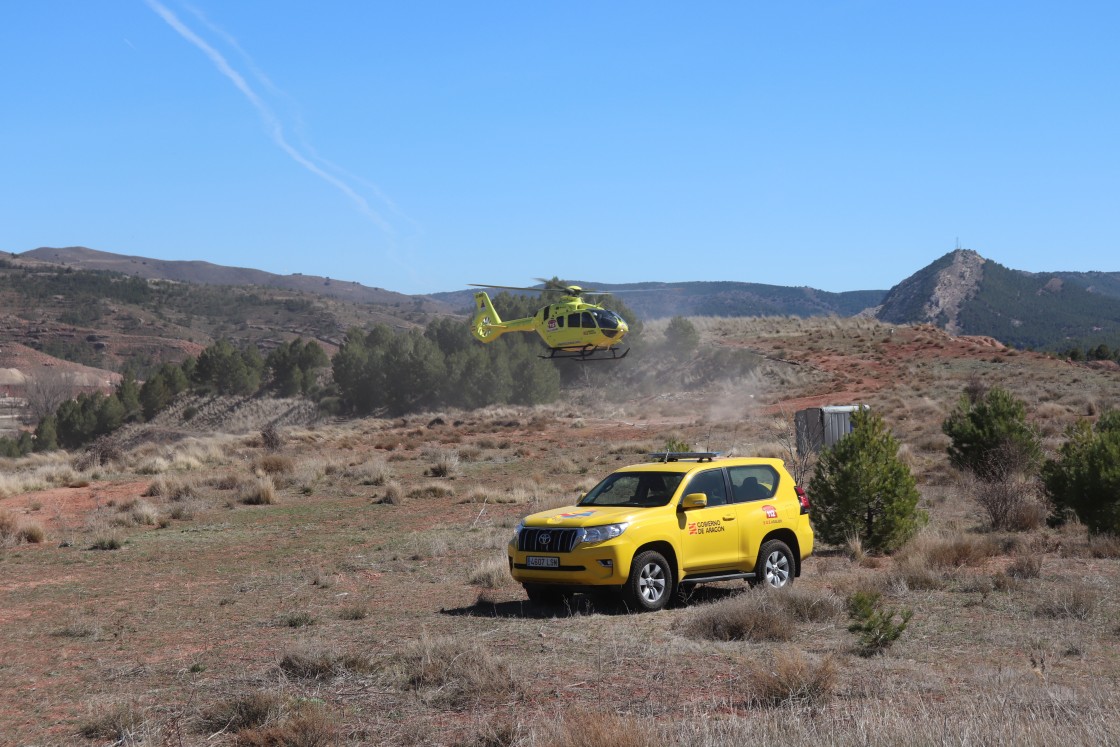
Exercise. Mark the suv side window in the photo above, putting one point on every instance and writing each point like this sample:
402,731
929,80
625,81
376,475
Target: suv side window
753,482
711,483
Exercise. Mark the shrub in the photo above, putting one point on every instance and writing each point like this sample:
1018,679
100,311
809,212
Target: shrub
394,494
173,489
454,672
1085,478
490,573
354,612
119,723
271,438
861,488
445,463
1069,602
990,437
274,464
1012,503
876,627
32,533
318,663
106,542
752,616
1028,565
262,492
297,619
244,712
791,678
310,726
9,525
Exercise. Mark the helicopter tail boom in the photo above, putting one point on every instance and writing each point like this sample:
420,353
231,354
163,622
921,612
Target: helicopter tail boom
487,326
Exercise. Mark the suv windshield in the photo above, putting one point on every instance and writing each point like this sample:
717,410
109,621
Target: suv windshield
644,489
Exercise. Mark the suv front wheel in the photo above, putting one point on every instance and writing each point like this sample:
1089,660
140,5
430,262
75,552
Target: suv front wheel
650,585
776,566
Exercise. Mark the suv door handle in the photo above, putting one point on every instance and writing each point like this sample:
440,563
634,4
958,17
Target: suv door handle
729,518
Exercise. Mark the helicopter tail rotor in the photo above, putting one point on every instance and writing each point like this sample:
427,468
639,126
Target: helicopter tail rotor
486,324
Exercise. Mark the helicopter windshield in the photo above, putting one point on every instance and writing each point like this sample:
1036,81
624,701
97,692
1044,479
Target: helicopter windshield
606,319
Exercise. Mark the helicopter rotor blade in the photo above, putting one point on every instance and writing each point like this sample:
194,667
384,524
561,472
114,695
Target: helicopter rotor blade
506,287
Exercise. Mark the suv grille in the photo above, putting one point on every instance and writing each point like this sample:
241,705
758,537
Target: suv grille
547,540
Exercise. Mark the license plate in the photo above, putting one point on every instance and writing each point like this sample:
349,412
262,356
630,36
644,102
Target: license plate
538,562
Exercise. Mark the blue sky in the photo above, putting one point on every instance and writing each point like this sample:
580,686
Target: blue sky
418,146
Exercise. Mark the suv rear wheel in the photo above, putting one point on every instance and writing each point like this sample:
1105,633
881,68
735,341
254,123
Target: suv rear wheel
650,585
776,566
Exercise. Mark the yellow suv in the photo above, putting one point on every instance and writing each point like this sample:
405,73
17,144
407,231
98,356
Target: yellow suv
648,529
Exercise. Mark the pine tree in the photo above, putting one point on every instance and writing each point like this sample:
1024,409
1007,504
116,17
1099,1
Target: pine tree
1085,478
860,488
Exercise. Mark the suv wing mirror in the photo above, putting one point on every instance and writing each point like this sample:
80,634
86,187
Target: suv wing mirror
694,500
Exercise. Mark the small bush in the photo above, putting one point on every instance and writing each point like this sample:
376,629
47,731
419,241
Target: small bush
274,464
262,492
1069,602
310,726
876,627
31,533
375,473
271,437
752,616
432,490
454,672
106,542
394,494
297,619
354,612
490,573
445,463
245,712
317,663
120,723
791,678
1027,565
173,489
1104,546
9,525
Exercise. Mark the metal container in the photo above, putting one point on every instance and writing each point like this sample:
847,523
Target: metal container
821,427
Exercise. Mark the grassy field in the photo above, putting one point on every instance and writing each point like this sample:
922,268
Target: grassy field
349,587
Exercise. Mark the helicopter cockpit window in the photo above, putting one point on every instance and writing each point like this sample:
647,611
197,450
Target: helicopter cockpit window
607,319
573,320
588,320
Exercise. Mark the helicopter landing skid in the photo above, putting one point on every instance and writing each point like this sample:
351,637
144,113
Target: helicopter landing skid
586,354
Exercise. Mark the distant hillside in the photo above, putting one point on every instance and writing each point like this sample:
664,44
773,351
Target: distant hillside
967,294
205,273
718,298
107,320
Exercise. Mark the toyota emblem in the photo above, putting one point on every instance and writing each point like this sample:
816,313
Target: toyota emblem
545,538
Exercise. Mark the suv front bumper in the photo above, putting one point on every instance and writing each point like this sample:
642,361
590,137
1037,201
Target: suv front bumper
593,565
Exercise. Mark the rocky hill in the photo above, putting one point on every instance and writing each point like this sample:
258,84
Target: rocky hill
964,293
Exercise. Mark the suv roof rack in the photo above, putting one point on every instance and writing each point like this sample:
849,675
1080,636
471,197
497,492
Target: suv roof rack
676,456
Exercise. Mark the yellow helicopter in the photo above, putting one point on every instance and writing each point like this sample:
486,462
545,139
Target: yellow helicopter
570,327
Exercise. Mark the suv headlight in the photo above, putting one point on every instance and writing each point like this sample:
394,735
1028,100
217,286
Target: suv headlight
517,530
592,535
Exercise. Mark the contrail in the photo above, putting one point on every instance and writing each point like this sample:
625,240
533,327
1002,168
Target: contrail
272,123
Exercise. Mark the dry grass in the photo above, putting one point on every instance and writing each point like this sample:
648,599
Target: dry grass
261,492
454,672
491,573
790,677
750,616
315,662
274,464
